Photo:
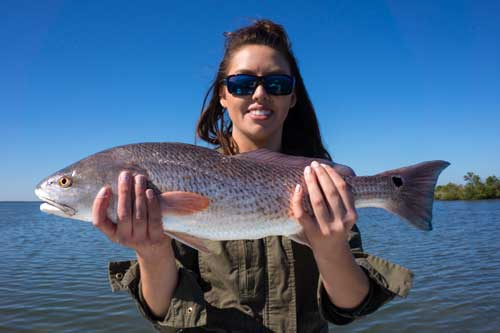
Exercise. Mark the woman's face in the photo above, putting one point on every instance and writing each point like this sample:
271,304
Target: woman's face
258,118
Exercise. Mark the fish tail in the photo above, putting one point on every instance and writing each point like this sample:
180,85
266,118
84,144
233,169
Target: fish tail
414,197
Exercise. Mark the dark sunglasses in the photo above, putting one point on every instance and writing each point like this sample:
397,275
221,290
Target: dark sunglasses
245,84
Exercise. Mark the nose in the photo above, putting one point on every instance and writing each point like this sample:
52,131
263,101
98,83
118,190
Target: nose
260,93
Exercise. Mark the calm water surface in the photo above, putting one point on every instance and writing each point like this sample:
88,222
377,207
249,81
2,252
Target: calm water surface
53,273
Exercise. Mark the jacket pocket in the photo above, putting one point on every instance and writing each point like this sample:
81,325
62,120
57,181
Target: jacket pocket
233,272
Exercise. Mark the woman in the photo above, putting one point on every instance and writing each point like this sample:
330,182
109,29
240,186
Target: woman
258,100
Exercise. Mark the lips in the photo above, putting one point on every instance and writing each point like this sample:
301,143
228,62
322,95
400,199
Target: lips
259,112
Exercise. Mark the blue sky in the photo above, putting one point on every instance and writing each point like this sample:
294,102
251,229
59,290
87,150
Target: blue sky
393,82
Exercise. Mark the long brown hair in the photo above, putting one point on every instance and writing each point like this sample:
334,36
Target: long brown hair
301,135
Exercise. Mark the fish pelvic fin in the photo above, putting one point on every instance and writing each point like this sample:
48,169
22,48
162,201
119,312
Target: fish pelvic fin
189,240
301,237
177,203
415,192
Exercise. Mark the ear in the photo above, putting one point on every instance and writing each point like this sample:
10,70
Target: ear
222,97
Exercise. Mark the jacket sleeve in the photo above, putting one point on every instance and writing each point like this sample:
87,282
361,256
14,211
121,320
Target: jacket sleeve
187,307
387,280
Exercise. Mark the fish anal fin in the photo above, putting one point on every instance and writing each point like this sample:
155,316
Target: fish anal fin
180,203
189,240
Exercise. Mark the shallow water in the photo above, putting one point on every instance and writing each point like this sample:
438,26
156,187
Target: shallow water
53,273
456,267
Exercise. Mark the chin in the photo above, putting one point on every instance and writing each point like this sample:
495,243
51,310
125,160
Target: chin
263,135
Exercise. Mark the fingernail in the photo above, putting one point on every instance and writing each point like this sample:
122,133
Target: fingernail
307,170
297,188
103,192
150,194
315,164
140,180
124,176
324,165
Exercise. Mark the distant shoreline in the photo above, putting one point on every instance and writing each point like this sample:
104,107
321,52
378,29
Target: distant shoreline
489,199
474,189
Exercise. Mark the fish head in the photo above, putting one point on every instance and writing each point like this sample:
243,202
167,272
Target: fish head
70,192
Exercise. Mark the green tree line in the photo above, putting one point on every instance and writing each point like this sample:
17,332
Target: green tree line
474,189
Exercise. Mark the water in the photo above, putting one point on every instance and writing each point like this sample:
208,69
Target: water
53,273
53,276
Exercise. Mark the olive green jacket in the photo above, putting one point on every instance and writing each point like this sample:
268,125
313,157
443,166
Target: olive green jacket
264,285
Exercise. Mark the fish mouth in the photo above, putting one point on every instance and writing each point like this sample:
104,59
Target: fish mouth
50,206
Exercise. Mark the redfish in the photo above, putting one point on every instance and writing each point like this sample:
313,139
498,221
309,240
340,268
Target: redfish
207,195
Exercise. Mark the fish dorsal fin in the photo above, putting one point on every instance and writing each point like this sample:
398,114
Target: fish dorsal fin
270,157
274,158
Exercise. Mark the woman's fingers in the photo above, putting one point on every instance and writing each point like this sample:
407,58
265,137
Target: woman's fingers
155,225
139,218
99,213
330,191
345,193
124,209
319,206
140,213
305,220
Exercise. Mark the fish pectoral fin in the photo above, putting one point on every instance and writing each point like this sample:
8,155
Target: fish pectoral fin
182,203
189,240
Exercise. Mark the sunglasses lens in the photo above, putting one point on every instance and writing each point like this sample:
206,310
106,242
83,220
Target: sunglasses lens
241,85
244,85
278,84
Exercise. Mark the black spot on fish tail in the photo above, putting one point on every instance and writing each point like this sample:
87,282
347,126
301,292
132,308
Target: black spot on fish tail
413,201
397,181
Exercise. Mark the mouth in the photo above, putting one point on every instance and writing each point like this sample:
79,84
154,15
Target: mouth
260,114
51,207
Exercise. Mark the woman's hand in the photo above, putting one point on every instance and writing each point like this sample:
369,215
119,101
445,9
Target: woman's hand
140,228
328,234
139,224
333,206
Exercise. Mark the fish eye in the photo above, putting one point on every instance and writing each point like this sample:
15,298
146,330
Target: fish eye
65,181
